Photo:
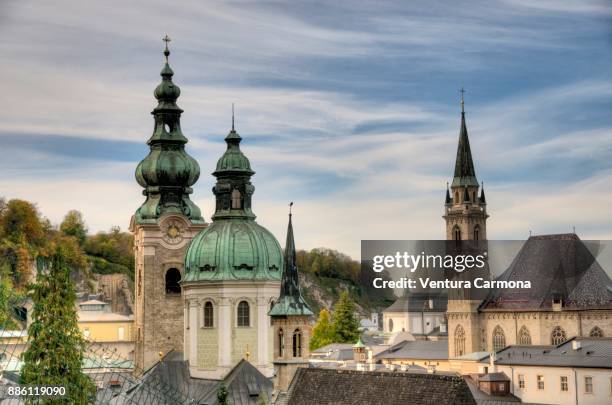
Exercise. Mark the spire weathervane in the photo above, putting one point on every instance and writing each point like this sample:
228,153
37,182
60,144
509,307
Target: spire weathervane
166,39
462,91
290,205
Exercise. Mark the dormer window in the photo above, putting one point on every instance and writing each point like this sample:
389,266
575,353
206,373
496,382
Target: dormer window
236,199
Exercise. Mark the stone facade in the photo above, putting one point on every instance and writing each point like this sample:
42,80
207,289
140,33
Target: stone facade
288,358
158,314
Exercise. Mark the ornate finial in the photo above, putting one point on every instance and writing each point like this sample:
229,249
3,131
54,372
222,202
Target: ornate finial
247,354
462,91
233,117
447,185
290,205
166,39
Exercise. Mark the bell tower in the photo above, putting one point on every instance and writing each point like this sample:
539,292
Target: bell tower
292,320
163,226
466,216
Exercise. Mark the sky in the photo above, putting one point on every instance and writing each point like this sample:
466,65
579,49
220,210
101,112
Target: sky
349,109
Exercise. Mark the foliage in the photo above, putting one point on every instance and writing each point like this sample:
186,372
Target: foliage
323,262
261,400
322,333
74,225
222,395
21,223
7,296
115,250
55,353
345,326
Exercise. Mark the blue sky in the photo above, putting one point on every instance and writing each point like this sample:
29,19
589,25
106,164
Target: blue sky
349,109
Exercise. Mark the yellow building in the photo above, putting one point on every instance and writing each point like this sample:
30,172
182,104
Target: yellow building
100,326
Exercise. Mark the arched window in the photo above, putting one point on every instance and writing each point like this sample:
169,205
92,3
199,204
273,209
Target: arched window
558,336
499,339
236,199
281,343
297,343
456,201
456,233
596,332
390,325
208,315
459,341
477,232
243,314
173,278
524,336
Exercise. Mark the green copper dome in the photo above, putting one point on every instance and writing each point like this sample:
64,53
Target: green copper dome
233,246
168,172
231,249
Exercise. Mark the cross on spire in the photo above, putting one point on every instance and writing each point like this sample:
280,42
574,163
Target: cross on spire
166,39
290,205
233,117
462,91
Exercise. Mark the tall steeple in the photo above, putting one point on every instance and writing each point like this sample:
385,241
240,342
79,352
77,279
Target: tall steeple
465,174
464,212
290,301
168,172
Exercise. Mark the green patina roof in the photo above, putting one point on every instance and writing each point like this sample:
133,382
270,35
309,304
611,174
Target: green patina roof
233,246
168,172
290,301
359,343
233,249
465,174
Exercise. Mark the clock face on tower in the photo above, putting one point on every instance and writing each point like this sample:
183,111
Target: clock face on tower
173,232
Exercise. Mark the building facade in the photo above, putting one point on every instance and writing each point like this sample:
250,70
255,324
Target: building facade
163,226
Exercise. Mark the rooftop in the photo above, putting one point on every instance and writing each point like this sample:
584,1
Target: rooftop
589,353
416,349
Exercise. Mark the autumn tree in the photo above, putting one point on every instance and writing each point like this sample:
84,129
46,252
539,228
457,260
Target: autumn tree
74,225
322,333
56,350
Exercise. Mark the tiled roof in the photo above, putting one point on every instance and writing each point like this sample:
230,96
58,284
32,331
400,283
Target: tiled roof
559,267
417,349
327,386
593,353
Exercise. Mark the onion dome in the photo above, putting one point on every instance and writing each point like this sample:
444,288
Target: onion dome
168,172
233,246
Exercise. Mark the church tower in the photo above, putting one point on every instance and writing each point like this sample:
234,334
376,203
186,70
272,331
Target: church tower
232,275
163,226
292,320
466,222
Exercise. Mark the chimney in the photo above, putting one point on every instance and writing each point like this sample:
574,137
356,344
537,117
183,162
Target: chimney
576,344
492,366
442,328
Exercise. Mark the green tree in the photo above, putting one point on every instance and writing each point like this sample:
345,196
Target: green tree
345,325
74,225
6,296
323,331
222,395
21,221
261,400
55,353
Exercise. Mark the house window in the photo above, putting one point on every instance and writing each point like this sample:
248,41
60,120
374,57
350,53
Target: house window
297,343
477,232
521,380
208,315
588,385
281,343
540,382
499,339
173,278
390,325
524,336
236,200
459,341
243,314
564,386
86,333
121,333
558,336
596,332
